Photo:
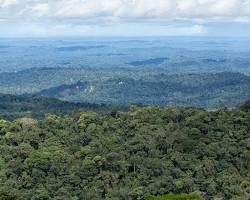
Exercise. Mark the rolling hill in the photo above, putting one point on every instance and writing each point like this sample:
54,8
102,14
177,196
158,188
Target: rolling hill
123,87
13,106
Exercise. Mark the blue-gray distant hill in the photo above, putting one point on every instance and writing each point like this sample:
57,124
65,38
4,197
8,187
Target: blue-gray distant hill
153,61
79,48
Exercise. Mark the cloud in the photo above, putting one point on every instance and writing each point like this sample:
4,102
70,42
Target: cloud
130,9
40,9
84,13
7,3
152,9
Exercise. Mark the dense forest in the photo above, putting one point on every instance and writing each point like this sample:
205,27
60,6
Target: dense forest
123,87
14,106
149,153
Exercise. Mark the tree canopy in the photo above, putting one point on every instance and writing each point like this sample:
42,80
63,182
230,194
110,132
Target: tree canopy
147,153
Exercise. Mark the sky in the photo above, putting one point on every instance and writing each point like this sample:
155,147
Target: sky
62,18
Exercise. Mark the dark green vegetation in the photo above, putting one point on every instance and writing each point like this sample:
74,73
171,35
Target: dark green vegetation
64,91
246,105
12,106
176,197
171,153
123,87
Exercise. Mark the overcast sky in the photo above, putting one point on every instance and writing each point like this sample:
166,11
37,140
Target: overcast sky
39,18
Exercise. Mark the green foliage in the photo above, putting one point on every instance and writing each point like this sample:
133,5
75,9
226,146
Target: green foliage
8,195
40,194
176,197
126,86
3,126
2,163
137,193
171,153
12,107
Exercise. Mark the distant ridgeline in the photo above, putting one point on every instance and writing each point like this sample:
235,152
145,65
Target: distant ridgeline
150,62
123,87
246,105
148,153
13,106
63,91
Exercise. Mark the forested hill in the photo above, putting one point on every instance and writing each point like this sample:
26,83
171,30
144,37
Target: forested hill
123,87
13,106
246,105
146,153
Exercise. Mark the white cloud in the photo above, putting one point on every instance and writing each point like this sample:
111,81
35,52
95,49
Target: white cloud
76,15
130,9
40,9
85,9
7,3
154,9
